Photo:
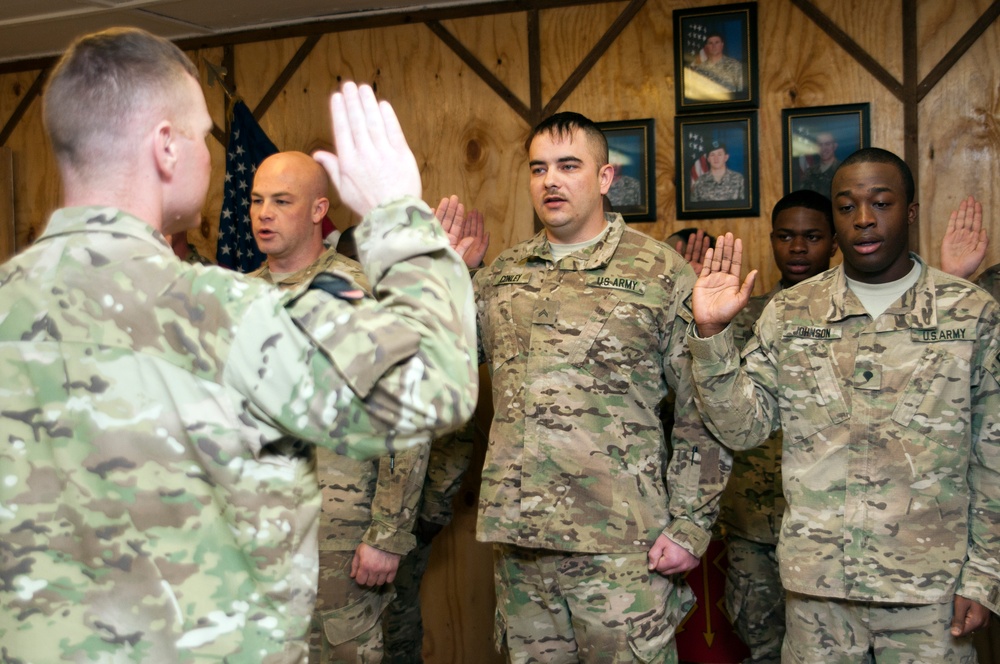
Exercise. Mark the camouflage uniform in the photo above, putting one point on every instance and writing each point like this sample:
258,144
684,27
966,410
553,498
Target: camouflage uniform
581,353
727,72
729,188
891,437
363,501
819,180
151,508
990,280
402,625
752,505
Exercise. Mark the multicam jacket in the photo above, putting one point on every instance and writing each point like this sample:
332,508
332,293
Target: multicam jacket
373,502
581,353
149,508
753,503
990,280
729,188
891,435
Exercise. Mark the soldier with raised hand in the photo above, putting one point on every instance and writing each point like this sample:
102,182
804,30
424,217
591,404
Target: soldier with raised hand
802,242
593,517
882,374
152,508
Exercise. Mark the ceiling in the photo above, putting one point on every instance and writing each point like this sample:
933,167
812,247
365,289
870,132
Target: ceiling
31,29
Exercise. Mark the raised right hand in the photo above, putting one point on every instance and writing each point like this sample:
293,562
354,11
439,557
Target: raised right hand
718,294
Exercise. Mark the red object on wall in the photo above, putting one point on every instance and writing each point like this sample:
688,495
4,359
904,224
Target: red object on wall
706,635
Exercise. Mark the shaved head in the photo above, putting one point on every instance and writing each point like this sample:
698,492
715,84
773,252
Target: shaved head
287,206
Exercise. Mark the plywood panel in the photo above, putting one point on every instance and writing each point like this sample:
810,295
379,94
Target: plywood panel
940,23
7,246
876,26
960,145
500,42
567,36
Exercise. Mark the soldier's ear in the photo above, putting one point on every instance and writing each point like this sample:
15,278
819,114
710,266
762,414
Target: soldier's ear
165,149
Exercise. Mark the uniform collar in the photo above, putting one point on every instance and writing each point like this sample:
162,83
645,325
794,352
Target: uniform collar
94,219
537,248
916,309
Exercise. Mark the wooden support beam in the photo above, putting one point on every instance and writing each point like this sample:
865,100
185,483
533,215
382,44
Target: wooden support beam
473,62
911,105
535,65
600,48
22,107
286,75
852,47
958,50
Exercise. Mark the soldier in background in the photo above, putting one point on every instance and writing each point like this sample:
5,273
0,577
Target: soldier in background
151,509
369,507
802,242
593,521
882,374
720,183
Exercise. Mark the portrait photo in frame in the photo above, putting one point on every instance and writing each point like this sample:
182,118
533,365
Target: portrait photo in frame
632,153
717,174
815,140
715,57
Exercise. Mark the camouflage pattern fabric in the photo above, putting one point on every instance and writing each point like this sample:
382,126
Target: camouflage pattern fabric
729,188
567,607
727,72
151,508
374,502
402,623
990,280
346,626
820,180
844,632
891,435
581,354
755,599
753,503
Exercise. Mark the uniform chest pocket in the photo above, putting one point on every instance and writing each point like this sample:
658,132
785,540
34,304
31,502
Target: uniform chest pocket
615,341
811,397
497,330
937,400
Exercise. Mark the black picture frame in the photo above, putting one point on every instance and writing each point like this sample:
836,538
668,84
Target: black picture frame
632,151
730,138
816,139
732,81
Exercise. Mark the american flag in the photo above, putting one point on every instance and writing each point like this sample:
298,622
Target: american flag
694,40
696,155
248,146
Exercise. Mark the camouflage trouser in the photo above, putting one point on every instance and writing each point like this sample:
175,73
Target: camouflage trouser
564,607
836,631
755,599
345,627
402,626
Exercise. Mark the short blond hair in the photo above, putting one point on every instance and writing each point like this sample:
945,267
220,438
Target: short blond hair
106,79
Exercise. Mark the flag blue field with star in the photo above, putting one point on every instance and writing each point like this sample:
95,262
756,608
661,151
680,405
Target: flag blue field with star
248,146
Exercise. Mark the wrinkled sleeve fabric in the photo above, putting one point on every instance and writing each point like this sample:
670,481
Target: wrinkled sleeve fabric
398,369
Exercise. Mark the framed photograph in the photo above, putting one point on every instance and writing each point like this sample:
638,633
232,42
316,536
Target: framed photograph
815,140
632,153
717,174
715,57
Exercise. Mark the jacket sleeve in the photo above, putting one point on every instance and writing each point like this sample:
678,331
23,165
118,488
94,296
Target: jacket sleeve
699,466
396,500
980,579
398,367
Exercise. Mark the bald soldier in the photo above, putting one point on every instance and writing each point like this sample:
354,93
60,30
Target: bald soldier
368,506
152,508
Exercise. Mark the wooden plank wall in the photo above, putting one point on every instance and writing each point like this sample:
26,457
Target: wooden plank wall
469,142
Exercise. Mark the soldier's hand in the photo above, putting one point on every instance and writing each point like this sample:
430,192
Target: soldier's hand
668,557
718,295
963,246
466,232
373,567
968,617
696,249
373,164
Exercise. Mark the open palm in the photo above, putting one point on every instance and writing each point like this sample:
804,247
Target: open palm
719,294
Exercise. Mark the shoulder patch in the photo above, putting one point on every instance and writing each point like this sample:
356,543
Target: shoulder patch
618,283
336,286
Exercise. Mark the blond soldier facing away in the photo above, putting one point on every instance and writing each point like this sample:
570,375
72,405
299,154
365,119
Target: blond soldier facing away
368,506
882,374
151,508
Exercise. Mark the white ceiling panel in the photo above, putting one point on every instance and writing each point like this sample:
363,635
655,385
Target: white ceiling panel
39,28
